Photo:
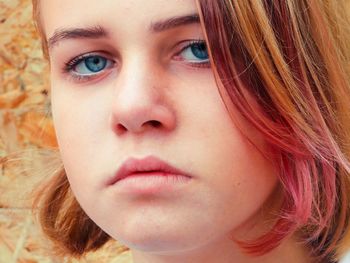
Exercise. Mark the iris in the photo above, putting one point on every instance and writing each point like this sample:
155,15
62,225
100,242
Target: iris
199,50
95,63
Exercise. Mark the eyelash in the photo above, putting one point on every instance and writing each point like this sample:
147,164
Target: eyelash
71,64
203,64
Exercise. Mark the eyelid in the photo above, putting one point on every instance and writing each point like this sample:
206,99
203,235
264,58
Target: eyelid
69,67
71,63
192,64
182,45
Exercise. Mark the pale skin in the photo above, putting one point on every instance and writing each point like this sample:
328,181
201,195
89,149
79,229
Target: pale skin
149,77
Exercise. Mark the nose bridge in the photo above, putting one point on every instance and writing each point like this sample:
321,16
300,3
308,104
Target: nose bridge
138,101
136,76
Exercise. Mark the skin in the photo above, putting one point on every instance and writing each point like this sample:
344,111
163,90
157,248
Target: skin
102,121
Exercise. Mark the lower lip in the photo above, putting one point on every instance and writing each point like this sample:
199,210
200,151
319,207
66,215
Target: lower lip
151,183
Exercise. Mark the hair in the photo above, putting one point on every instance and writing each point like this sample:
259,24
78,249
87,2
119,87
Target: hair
292,57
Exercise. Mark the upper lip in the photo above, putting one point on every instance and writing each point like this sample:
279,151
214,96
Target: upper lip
148,164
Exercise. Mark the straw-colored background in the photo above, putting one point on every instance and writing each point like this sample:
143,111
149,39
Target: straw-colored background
27,139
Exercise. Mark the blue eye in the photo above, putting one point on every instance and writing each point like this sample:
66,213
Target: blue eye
88,65
93,63
196,52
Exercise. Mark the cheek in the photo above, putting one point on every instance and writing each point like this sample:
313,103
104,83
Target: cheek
243,178
234,175
76,131
235,159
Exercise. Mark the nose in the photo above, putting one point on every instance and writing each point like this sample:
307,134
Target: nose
140,103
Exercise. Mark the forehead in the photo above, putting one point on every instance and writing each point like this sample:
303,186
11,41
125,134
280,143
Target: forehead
116,14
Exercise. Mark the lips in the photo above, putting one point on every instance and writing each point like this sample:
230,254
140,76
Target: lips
149,165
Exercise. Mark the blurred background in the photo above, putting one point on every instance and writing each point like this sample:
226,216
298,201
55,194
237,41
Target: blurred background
28,148
27,141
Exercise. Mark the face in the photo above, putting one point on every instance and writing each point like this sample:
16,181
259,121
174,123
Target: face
137,87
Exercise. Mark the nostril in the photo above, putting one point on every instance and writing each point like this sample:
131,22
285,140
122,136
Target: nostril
120,129
154,123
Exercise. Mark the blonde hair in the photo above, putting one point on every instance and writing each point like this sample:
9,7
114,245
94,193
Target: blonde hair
292,57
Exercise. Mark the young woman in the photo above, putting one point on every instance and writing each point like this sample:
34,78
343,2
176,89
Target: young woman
199,131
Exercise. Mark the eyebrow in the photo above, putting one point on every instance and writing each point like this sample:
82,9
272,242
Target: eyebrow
76,33
174,22
96,32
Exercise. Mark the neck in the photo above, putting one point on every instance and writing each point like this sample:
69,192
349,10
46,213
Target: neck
226,251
